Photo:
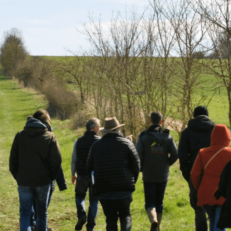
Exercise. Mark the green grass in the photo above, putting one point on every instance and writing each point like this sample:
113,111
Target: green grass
15,105
219,105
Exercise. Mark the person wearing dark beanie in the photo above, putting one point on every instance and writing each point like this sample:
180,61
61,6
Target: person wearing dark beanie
200,110
193,138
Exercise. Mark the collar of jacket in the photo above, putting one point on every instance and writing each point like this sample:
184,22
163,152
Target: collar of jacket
90,133
110,134
155,128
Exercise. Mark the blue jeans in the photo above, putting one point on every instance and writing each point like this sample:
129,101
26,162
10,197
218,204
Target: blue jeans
83,183
114,209
214,214
200,215
154,195
26,197
33,212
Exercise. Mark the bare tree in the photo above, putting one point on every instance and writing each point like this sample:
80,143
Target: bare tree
127,65
217,15
189,35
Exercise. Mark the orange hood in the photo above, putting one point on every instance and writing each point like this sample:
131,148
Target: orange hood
220,135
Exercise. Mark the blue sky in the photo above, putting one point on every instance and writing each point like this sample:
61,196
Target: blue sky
51,27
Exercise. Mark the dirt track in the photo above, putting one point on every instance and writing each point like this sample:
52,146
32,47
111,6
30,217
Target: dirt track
172,124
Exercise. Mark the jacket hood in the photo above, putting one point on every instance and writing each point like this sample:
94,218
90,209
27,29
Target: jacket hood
220,135
155,128
35,123
34,127
200,123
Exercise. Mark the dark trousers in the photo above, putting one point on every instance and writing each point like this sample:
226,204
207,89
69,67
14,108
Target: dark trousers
200,214
154,195
114,209
214,214
82,185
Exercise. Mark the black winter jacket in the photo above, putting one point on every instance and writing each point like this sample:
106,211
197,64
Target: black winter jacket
84,144
157,151
115,163
224,189
35,157
193,138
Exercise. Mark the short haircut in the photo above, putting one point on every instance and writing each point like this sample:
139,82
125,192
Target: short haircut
42,115
92,123
156,117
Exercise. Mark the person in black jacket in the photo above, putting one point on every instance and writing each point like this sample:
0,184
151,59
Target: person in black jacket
157,151
35,160
224,190
78,165
114,165
61,182
193,138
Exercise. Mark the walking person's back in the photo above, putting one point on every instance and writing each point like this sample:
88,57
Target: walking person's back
116,164
82,180
193,138
206,173
35,160
157,151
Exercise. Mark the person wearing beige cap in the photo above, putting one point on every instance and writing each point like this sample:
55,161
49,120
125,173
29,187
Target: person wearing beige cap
115,163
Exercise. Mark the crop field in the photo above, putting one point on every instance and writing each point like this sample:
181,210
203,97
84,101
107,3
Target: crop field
17,103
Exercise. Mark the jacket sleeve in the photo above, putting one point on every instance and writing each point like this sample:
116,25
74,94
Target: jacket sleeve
197,172
60,179
134,160
89,166
140,149
183,154
13,161
173,152
74,160
224,182
55,158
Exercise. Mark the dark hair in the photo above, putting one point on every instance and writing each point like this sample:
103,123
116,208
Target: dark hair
91,123
200,110
156,117
42,115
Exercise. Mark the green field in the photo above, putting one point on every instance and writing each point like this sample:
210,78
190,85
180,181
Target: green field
15,105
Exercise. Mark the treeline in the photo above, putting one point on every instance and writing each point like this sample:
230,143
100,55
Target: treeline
136,64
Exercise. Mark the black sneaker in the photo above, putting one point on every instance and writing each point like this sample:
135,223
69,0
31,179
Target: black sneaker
154,226
80,223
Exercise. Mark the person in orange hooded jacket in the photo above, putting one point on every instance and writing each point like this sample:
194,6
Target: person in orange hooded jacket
206,172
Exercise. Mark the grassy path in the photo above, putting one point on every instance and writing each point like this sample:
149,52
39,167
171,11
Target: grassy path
15,105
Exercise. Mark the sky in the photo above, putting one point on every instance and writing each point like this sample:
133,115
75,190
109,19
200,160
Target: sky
51,27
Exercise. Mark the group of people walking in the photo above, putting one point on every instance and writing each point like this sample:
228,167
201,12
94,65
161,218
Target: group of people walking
108,167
